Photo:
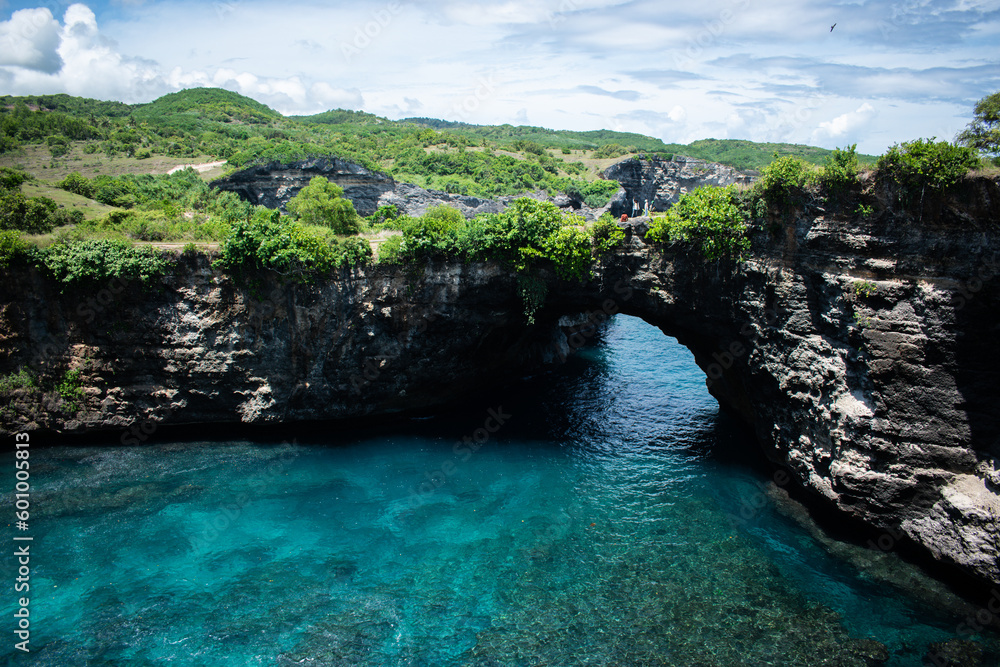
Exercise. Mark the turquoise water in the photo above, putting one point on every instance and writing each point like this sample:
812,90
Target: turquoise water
614,517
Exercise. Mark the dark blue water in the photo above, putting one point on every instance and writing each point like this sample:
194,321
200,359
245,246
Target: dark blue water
602,513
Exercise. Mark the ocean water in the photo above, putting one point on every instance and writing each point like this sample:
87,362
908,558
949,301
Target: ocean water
599,513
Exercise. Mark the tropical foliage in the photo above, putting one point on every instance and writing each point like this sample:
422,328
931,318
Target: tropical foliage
711,218
983,133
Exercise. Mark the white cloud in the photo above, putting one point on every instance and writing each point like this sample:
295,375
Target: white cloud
716,68
30,39
845,126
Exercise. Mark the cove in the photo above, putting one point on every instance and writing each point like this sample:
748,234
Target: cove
615,517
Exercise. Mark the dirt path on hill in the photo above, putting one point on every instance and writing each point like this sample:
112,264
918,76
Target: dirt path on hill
200,168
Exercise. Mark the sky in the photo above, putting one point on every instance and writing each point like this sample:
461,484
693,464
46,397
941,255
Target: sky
680,71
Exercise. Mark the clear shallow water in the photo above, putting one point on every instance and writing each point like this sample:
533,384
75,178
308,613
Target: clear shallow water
612,519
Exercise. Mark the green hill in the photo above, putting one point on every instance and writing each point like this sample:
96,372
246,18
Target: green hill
214,104
458,157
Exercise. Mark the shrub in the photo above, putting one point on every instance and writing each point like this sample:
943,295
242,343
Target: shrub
922,164
12,178
391,250
268,241
610,151
12,248
385,215
321,203
708,216
518,234
97,261
569,248
782,180
77,184
70,387
22,379
38,215
354,252
607,234
840,173
13,206
433,235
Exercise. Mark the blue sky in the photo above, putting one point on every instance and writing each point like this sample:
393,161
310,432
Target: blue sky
740,69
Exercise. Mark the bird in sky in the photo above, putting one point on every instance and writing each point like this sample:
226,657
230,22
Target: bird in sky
832,27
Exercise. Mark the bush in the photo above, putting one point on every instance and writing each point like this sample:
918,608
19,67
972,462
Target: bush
607,235
354,252
77,184
610,151
23,379
569,248
12,248
96,261
12,178
782,181
433,235
321,203
518,233
13,206
270,242
922,164
840,173
38,215
708,216
391,250
386,215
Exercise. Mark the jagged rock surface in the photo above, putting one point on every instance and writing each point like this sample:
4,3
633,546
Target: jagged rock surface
274,184
861,351
662,182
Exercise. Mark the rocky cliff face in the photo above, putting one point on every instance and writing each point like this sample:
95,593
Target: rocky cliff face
662,182
861,351
274,184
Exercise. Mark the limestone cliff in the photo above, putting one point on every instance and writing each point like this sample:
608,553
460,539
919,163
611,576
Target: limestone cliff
860,349
273,184
662,182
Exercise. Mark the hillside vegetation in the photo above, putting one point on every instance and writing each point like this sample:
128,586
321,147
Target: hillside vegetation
78,171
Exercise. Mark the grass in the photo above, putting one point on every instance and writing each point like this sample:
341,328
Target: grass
38,161
91,209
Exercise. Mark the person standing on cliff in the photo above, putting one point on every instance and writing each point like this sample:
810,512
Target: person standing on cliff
635,207
646,209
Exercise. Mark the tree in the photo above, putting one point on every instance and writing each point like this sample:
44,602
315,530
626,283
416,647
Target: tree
321,203
983,133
